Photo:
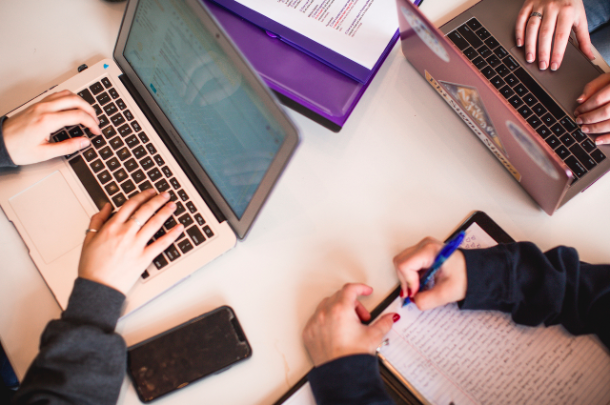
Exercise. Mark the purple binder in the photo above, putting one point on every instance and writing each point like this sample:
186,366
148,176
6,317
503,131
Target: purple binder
301,82
325,55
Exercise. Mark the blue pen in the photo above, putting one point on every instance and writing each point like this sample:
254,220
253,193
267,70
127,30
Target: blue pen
443,255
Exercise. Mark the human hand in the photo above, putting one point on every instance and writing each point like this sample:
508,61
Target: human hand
450,281
558,18
336,330
117,255
27,134
594,112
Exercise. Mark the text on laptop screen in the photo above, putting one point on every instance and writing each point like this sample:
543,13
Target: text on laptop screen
216,112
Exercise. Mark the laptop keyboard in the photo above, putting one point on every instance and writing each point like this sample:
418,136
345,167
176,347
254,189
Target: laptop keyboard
534,104
122,161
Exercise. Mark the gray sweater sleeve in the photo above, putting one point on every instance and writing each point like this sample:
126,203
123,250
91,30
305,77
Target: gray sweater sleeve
81,359
5,159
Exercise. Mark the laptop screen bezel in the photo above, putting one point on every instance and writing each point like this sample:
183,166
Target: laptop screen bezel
242,225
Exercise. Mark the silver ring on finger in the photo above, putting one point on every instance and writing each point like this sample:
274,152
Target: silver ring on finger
137,221
90,230
536,14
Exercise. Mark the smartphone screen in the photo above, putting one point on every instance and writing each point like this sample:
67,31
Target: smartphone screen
202,346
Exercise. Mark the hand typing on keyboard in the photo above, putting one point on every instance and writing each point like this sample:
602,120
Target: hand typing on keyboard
27,134
594,112
116,250
531,101
548,23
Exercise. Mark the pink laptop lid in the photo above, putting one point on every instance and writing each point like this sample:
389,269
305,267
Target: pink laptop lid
505,133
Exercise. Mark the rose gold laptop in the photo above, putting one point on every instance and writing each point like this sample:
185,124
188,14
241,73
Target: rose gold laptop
523,115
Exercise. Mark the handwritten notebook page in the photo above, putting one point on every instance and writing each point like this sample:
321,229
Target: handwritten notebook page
481,357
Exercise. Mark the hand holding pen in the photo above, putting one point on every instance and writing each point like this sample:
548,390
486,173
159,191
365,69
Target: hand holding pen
428,260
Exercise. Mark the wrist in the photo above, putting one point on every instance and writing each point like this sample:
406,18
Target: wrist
5,156
324,357
103,277
92,303
462,275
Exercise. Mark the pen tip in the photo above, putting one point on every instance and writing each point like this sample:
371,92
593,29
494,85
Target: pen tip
406,302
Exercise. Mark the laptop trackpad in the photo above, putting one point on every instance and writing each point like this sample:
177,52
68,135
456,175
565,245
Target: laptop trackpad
52,216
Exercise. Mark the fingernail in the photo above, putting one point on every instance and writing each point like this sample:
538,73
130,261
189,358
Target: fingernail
542,65
599,142
165,195
395,318
409,292
585,130
581,98
579,121
529,57
97,120
519,42
84,143
554,66
402,293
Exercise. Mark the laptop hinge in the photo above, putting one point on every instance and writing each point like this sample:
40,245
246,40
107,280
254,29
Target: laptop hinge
172,148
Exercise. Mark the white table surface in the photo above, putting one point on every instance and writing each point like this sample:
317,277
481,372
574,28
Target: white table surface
403,167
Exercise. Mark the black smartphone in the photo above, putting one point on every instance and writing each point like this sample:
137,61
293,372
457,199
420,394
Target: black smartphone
205,345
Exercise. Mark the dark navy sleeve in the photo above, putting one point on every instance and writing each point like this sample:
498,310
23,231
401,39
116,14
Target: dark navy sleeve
552,288
5,159
81,359
351,380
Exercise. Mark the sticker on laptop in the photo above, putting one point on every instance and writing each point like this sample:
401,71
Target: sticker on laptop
424,33
532,149
471,102
498,152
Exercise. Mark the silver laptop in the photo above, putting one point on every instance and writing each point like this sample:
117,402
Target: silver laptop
523,115
181,111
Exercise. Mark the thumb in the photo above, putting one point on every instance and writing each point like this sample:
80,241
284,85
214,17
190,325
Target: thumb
66,147
381,327
591,88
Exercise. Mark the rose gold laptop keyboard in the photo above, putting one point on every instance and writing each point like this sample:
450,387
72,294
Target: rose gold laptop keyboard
540,111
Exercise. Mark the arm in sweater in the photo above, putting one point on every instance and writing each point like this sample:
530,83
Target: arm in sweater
81,359
552,288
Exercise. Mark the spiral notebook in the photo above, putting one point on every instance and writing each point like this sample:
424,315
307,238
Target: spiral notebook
450,357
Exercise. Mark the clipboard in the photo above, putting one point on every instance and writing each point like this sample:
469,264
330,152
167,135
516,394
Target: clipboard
301,82
401,391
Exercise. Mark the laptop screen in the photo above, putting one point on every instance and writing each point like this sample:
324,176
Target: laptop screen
217,113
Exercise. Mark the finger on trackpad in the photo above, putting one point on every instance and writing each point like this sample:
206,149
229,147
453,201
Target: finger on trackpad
52,216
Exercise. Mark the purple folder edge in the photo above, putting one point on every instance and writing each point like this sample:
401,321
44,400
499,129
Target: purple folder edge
334,123
312,48
336,94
